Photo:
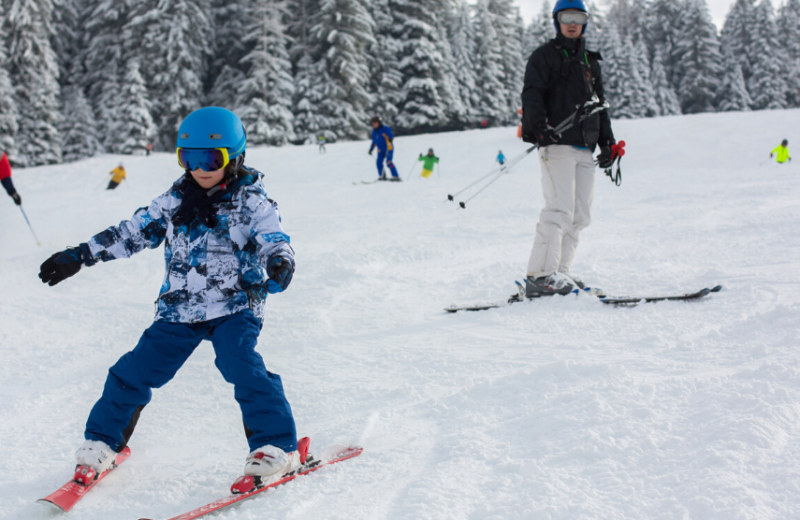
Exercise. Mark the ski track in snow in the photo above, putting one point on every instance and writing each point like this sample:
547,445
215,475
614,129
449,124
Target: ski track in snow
560,408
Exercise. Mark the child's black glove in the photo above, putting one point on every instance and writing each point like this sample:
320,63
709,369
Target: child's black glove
279,270
64,264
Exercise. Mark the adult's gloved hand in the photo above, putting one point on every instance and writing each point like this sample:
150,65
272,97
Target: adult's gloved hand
17,199
606,157
545,135
370,151
64,264
280,270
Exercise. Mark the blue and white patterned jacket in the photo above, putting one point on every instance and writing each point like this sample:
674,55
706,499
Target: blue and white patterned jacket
205,267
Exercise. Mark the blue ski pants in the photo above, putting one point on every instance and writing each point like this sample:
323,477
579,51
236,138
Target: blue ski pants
387,155
162,350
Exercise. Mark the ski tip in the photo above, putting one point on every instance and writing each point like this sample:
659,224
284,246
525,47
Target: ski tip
716,288
340,452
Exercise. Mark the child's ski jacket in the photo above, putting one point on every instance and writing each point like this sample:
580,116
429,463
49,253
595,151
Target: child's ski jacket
205,267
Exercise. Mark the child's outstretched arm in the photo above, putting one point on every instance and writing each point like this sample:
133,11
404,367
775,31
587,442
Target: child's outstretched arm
275,254
147,228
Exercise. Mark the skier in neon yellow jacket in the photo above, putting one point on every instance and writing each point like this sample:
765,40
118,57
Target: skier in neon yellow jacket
782,151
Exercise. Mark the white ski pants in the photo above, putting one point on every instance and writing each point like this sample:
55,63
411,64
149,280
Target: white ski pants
568,187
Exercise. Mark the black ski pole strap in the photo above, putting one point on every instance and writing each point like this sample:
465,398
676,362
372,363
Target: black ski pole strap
615,178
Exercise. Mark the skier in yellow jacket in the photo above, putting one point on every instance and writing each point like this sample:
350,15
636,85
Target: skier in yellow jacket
118,176
782,151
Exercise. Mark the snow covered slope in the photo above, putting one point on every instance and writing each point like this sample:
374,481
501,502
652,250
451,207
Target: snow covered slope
555,409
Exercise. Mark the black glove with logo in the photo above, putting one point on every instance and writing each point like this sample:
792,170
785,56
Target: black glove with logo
64,264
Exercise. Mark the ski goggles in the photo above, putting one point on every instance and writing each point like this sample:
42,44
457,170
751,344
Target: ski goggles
573,17
207,159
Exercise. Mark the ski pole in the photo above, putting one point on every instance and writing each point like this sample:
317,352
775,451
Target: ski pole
492,172
29,225
503,170
408,176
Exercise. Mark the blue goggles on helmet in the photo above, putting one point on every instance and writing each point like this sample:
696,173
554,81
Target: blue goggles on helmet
207,159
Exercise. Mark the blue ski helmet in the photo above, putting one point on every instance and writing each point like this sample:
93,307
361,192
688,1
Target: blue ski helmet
213,127
563,5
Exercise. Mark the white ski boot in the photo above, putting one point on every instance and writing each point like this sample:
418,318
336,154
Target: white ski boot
269,461
96,455
268,465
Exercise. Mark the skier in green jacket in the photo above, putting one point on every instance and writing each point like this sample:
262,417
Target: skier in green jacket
429,161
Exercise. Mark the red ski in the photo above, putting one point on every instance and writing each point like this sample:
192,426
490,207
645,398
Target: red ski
245,487
84,479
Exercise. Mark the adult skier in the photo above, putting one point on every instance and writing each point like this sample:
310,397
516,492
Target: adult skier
118,175
383,139
225,251
5,179
562,75
429,160
782,151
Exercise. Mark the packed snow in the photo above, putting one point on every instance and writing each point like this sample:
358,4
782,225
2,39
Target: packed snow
560,408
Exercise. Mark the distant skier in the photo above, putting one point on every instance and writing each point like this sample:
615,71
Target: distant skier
560,76
148,148
782,151
118,176
5,179
501,158
383,139
429,160
321,141
225,251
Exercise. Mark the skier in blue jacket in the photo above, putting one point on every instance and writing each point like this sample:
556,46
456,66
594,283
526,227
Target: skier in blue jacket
225,251
383,139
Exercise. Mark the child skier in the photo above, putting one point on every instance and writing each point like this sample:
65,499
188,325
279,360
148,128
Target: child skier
501,158
5,179
782,151
427,166
383,138
225,250
321,141
118,176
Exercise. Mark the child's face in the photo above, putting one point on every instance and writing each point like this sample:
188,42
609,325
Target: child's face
208,180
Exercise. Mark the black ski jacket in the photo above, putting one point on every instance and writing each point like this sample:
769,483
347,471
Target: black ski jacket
561,75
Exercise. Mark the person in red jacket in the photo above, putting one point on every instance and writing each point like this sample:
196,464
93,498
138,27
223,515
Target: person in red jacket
5,179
